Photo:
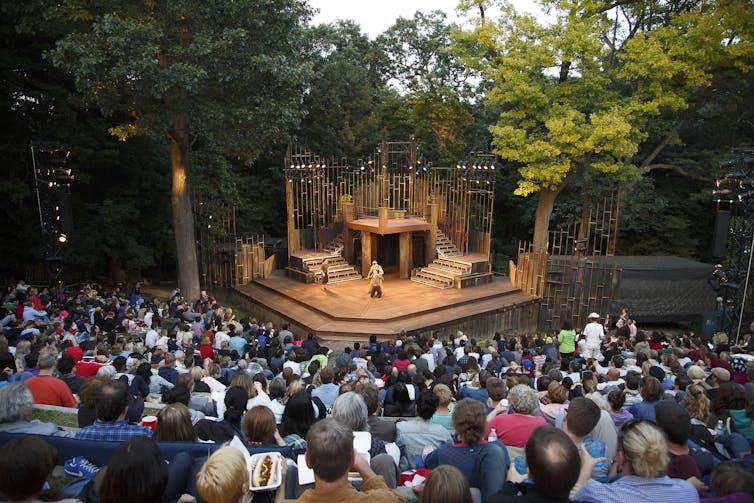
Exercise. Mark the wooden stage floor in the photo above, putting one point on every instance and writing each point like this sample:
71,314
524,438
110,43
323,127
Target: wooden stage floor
345,310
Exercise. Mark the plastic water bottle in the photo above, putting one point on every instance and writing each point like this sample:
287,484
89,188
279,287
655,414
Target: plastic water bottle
493,436
719,429
596,449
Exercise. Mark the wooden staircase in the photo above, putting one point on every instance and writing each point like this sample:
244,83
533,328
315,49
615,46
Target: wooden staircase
445,247
442,272
338,269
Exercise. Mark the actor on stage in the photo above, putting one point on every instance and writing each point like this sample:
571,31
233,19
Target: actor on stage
376,276
325,266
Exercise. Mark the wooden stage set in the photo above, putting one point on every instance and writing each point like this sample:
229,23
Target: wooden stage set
345,311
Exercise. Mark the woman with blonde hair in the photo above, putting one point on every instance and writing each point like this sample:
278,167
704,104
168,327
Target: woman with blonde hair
696,403
224,478
643,459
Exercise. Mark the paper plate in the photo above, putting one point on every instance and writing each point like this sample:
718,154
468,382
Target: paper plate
277,476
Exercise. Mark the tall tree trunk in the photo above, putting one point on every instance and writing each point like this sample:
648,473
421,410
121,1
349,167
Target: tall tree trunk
545,204
183,216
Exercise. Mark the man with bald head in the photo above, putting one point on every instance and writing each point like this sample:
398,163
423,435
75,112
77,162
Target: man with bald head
552,464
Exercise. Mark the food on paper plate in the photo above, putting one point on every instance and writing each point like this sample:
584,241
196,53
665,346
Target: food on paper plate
264,471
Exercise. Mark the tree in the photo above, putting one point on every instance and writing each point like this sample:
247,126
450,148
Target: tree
579,95
228,73
435,85
340,106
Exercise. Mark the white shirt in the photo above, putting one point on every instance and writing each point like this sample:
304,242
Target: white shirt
594,333
458,353
430,361
221,337
151,338
294,366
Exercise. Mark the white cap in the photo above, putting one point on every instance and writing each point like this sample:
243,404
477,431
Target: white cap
594,316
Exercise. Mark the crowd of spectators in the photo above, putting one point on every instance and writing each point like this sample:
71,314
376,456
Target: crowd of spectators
607,413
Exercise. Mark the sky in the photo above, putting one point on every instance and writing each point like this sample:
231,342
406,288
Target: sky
376,16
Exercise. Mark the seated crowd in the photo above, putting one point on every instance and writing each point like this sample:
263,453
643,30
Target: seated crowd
608,414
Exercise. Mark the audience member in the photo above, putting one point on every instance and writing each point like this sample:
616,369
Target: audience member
331,455
643,460
111,404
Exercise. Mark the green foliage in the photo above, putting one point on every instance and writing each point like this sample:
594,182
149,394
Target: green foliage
234,67
579,95
435,84
341,117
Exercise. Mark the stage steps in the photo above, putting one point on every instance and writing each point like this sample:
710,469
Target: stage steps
442,272
338,269
445,247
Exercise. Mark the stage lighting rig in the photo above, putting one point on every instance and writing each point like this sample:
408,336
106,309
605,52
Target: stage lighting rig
734,195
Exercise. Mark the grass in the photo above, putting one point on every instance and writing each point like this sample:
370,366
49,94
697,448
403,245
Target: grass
52,416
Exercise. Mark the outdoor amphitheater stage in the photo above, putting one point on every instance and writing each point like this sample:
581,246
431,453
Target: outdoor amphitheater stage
345,311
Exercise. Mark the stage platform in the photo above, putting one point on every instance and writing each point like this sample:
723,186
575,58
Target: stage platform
346,312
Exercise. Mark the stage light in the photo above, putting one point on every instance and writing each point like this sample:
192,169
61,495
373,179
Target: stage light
62,238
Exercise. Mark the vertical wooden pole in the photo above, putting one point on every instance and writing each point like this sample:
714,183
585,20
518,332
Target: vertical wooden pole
406,254
366,252
292,234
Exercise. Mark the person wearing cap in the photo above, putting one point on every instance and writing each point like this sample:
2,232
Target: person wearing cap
594,333
718,376
376,276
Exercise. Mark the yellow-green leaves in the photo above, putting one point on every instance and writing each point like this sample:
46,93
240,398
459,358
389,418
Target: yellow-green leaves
123,131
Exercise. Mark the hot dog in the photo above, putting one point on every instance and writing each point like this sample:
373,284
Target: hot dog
264,471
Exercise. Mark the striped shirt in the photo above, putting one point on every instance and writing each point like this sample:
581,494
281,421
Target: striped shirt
638,490
116,431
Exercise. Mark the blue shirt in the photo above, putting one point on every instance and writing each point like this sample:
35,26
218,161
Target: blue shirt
327,393
637,490
168,374
116,431
237,344
644,410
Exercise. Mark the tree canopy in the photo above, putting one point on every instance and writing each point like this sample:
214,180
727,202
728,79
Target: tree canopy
230,73
580,93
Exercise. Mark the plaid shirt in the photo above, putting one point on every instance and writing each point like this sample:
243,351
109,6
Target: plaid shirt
112,432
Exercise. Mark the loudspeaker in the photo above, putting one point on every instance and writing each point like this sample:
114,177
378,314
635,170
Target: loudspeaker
720,239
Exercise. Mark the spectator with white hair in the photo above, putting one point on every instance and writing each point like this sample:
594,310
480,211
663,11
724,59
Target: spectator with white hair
351,410
15,413
515,429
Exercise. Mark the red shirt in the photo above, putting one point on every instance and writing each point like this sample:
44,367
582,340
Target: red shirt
48,390
87,369
401,364
37,303
206,352
514,430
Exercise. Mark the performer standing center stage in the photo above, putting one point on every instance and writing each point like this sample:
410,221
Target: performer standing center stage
376,276
325,266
